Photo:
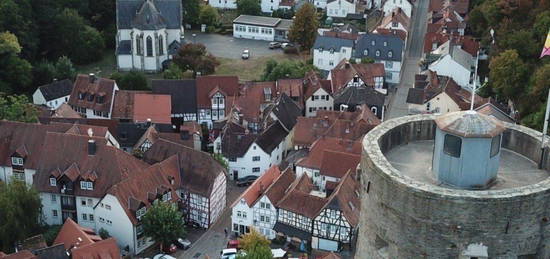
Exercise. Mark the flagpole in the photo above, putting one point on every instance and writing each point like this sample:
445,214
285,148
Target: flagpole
544,130
475,82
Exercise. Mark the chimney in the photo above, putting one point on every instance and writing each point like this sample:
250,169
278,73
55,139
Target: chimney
91,147
148,122
184,134
92,78
347,64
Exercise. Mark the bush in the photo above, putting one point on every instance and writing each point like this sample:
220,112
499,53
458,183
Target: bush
51,233
290,50
103,233
133,80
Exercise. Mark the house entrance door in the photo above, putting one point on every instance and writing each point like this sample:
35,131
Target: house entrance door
235,175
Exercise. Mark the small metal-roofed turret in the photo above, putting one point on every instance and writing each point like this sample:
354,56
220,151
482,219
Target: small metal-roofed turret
467,149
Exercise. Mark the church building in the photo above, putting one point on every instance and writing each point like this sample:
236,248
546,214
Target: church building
149,33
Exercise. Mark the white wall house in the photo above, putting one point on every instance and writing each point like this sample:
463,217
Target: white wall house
329,51
340,8
147,32
223,4
457,64
54,94
405,5
268,6
386,49
320,4
255,161
261,28
319,100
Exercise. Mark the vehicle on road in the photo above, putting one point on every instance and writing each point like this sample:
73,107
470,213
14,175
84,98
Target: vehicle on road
274,45
246,54
183,243
246,181
163,256
287,45
229,253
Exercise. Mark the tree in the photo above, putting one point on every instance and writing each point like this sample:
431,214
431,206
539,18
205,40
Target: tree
540,28
367,60
209,15
255,245
163,223
20,207
43,73
64,68
103,233
541,82
283,13
508,75
304,28
18,108
191,11
194,57
249,7
286,69
522,41
16,17
172,72
15,73
133,80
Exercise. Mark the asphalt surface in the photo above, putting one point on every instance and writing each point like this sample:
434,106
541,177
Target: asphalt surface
413,53
214,239
226,46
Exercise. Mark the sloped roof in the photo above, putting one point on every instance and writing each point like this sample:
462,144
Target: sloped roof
399,33
277,190
344,72
100,87
299,201
335,43
290,87
313,82
154,107
168,12
318,148
104,249
183,93
71,235
235,141
249,103
259,187
397,15
353,96
392,43
286,111
64,111
271,137
56,89
123,108
336,164
228,85
23,254
345,198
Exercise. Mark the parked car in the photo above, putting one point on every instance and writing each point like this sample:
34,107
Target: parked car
172,248
229,253
163,256
234,244
287,45
183,243
246,181
246,54
274,45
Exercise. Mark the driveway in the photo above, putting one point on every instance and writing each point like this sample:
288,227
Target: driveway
226,46
398,100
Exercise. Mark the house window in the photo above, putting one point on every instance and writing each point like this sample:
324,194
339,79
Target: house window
315,97
161,45
239,214
256,158
390,54
256,170
16,161
108,207
19,176
378,53
394,24
149,46
235,227
85,185
84,216
388,75
167,196
495,145
331,51
244,214
53,182
101,219
343,50
366,52
83,202
91,98
267,219
90,203
91,216
109,222
54,198
232,159
373,43
452,145
54,213
389,64
262,218
331,63
316,173
267,206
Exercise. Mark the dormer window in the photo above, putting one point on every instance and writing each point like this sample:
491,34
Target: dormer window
366,52
390,54
331,51
81,95
385,43
321,49
53,181
378,53
100,99
167,196
373,43
91,97
140,213
86,185
16,161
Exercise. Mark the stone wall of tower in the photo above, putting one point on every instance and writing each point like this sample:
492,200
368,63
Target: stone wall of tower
404,218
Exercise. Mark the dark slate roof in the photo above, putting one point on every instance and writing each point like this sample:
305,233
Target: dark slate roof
327,43
128,134
53,252
167,12
235,141
124,47
393,44
287,111
291,231
183,92
174,47
353,96
271,137
415,96
56,89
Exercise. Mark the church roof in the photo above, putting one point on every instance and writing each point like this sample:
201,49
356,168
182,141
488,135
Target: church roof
149,14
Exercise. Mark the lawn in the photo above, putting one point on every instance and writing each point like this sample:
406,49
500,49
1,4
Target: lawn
251,69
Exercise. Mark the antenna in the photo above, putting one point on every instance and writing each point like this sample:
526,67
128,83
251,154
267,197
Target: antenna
90,132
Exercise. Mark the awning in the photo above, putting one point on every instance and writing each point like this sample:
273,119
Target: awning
292,231
278,253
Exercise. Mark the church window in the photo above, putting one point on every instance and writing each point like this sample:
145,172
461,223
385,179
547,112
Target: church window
161,45
139,44
149,46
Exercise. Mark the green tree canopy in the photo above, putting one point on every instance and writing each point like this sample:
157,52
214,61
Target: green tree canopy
541,82
43,73
20,207
64,68
249,7
209,15
9,45
172,72
18,108
194,57
163,223
255,245
191,11
133,80
285,69
15,72
508,75
304,28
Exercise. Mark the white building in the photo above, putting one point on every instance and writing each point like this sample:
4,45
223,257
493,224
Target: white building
268,6
396,19
148,33
346,75
223,4
340,8
386,49
391,5
455,63
93,97
54,94
320,99
261,28
329,51
213,97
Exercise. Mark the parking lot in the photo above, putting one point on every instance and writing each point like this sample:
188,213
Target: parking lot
226,46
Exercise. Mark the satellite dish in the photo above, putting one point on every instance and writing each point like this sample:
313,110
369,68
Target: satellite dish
90,132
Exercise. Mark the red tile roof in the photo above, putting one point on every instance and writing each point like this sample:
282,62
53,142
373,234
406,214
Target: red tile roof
312,83
73,235
299,200
104,249
249,103
341,35
23,254
461,6
229,85
400,33
398,16
317,150
347,197
291,87
277,190
337,164
259,187
344,72
99,87
155,107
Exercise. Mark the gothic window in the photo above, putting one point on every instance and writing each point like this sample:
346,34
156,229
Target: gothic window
161,45
139,44
149,46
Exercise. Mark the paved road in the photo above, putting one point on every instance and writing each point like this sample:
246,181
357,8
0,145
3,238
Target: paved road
226,46
413,53
214,240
